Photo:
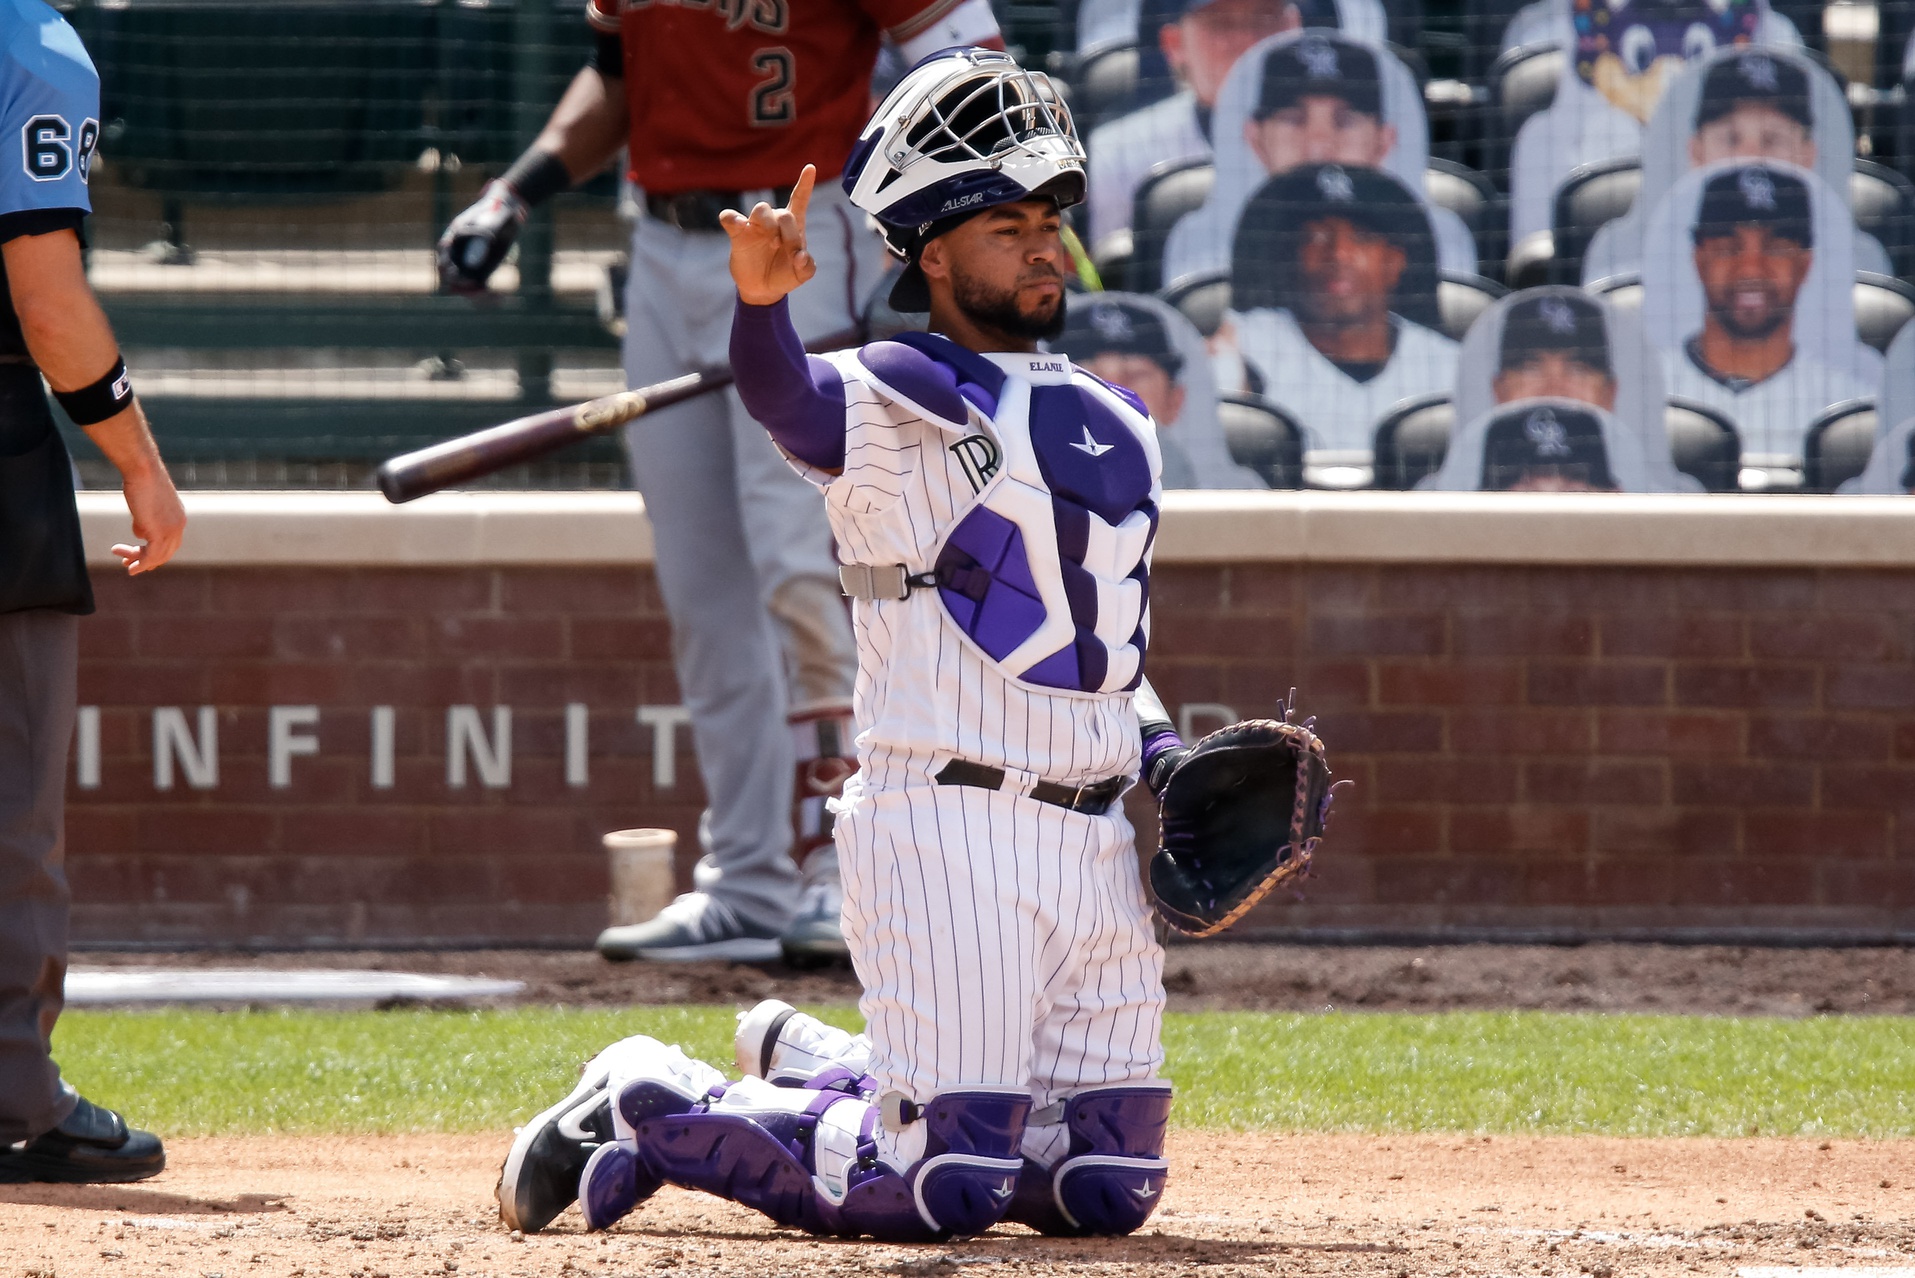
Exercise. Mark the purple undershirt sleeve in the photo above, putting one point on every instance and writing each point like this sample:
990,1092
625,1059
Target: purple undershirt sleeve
799,398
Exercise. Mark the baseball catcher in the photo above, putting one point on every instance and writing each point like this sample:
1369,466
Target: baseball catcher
995,507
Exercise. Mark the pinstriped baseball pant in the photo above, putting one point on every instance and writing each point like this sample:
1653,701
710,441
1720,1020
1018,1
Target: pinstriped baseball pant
999,940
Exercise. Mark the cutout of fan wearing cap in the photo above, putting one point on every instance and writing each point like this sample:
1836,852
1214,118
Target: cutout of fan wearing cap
1623,55
1313,97
1145,346
1198,42
1738,104
1747,297
1333,296
1558,342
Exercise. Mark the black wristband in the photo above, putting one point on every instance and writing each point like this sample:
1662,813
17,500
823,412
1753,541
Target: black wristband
537,176
103,399
607,56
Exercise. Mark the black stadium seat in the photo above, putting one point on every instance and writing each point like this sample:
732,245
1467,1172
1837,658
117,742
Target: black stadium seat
1523,82
1471,196
1884,204
1264,438
1460,299
1172,190
1882,305
1589,197
1104,85
1838,445
1704,443
1202,298
1412,441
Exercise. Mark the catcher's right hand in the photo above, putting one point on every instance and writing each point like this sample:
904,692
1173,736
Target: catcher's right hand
1242,811
478,239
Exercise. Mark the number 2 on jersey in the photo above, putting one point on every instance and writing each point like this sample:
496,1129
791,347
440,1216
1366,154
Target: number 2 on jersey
773,101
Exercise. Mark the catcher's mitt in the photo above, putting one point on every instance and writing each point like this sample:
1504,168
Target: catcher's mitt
1242,811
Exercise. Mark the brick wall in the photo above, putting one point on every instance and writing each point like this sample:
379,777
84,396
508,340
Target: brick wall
1537,749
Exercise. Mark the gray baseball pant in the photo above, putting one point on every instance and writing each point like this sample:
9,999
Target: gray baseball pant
744,556
39,663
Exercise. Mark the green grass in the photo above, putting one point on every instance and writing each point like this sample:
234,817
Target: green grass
185,1072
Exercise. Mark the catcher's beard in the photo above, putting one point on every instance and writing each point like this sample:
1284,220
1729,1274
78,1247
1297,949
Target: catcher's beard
998,309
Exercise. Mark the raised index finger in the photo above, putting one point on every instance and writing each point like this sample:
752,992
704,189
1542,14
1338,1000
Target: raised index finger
801,193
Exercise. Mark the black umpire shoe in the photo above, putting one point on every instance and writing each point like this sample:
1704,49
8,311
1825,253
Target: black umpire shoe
540,1178
93,1146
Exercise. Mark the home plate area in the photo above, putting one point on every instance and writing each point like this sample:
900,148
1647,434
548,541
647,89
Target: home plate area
387,1206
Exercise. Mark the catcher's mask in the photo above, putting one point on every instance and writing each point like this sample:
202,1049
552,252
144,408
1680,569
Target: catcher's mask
966,130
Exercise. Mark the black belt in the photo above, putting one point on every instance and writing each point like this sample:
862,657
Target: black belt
699,210
1094,799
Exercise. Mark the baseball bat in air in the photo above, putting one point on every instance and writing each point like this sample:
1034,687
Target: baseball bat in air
455,461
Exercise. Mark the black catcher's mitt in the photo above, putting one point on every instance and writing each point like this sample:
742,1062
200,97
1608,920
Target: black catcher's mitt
1242,811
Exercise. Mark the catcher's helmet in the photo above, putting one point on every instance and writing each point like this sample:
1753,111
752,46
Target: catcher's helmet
966,129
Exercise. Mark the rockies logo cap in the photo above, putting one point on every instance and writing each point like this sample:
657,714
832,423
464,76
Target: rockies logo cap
1758,194
1759,76
1320,64
1570,323
1556,440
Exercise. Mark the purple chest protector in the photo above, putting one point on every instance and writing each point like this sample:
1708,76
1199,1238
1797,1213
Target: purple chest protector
1046,572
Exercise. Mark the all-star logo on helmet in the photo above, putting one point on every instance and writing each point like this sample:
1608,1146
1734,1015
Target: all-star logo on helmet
966,130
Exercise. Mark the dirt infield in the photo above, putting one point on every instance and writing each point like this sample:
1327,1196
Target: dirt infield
1699,979
1383,1206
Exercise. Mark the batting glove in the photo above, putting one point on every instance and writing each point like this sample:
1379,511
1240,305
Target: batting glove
479,238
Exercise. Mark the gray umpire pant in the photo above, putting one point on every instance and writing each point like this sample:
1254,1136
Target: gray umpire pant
39,661
744,557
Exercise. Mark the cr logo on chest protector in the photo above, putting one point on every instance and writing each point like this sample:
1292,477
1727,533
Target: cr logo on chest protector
979,456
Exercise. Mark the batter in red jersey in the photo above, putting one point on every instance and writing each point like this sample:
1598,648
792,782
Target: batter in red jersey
718,103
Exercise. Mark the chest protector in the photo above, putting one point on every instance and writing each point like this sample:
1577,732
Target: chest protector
1045,571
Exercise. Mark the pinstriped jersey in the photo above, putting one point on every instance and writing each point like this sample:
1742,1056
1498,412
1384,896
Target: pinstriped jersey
1039,688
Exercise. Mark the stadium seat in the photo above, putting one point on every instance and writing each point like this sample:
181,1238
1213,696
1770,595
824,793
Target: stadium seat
1484,22
1589,197
264,102
1103,85
1704,443
1264,438
1882,305
1167,194
1461,298
1471,196
1624,292
1523,82
1532,261
1884,204
1838,445
1202,299
1412,441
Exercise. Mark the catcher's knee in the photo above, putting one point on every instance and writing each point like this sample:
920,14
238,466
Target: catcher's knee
1111,1173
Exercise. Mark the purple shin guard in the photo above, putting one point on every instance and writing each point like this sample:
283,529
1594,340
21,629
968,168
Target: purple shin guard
1112,1175
613,1183
820,1172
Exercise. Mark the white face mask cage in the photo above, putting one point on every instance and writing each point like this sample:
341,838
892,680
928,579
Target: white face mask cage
988,116
976,110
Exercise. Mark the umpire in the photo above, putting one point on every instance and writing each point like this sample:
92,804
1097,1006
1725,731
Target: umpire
51,326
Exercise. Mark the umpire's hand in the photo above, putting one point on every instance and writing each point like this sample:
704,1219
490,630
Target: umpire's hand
478,239
768,257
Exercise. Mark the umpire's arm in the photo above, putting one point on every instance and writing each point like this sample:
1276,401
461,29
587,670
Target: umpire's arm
70,340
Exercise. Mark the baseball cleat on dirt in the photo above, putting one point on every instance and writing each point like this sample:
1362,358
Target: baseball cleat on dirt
541,1175
693,928
777,1042
91,1146
816,936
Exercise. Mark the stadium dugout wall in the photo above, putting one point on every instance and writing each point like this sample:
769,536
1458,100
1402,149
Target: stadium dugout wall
334,722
